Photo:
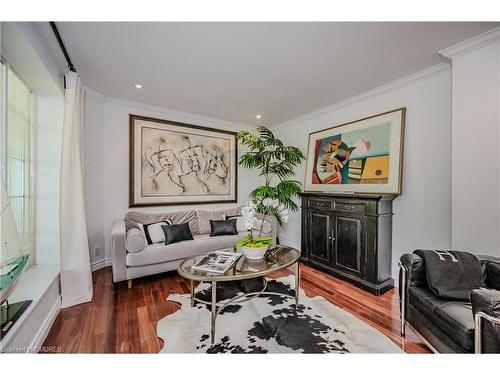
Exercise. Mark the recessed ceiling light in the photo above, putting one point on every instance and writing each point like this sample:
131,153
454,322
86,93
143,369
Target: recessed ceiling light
137,85
258,117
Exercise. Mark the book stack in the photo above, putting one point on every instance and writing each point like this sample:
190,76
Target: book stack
355,170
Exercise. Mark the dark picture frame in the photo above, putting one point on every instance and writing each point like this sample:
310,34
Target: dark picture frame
175,163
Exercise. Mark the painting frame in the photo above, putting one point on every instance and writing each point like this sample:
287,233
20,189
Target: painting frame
396,119
135,155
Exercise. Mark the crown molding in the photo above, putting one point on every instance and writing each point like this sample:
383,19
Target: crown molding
172,114
92,92
472,44
380,90
178,115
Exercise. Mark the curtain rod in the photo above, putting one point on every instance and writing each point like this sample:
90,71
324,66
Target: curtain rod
61,45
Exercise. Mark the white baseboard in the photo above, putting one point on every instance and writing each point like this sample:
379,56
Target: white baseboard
97,265
44,330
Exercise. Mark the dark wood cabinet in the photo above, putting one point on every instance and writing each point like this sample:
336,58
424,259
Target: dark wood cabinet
349,237
320,250
348,250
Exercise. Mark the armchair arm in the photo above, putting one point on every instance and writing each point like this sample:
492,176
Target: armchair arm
415,265
411,273
486,309
118,251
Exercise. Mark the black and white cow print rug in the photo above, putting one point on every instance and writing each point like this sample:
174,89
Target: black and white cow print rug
268,324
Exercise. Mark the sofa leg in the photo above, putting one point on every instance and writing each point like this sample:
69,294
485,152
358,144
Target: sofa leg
129,283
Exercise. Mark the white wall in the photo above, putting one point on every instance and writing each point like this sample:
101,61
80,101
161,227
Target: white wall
96,191
107,163
476,151
422,212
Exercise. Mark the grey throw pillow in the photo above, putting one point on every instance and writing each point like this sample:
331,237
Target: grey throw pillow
135,241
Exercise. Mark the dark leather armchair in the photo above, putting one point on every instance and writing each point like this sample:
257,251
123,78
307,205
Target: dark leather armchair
449,326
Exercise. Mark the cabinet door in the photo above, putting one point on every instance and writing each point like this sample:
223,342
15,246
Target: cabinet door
320,237
349,245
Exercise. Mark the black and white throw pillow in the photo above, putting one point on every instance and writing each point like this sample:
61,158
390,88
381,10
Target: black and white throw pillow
153,233
240,223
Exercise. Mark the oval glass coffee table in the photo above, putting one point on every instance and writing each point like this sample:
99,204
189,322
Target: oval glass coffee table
278,258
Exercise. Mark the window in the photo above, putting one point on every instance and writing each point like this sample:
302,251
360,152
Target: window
19,130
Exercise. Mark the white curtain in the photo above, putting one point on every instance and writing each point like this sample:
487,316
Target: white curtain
76,277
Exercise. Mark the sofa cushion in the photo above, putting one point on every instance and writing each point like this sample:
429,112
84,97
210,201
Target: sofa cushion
134,241
456,319
453,317
177,217
204,217
159,253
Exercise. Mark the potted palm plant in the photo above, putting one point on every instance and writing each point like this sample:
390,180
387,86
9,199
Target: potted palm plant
276,163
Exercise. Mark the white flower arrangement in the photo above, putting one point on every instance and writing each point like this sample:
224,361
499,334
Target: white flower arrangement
273,206
267,206
248,213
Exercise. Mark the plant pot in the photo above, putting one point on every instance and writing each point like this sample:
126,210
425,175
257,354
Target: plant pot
254,253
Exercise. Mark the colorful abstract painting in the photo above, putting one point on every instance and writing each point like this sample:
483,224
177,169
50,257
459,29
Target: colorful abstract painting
362,156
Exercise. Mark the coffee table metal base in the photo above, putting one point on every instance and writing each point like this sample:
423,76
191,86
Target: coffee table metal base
217,307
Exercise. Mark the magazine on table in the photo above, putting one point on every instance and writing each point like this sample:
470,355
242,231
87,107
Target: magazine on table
216,262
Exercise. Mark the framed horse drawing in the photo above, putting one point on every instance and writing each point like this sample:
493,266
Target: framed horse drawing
173,163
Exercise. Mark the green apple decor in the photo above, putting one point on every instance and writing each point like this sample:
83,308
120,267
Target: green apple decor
275,162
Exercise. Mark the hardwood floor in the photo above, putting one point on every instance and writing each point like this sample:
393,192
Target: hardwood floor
121,320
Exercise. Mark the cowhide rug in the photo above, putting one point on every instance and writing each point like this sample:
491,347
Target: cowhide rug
268,324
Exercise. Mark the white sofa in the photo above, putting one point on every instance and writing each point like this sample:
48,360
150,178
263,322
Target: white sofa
157,258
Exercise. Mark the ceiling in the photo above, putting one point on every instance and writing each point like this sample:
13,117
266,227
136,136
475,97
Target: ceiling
234,71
